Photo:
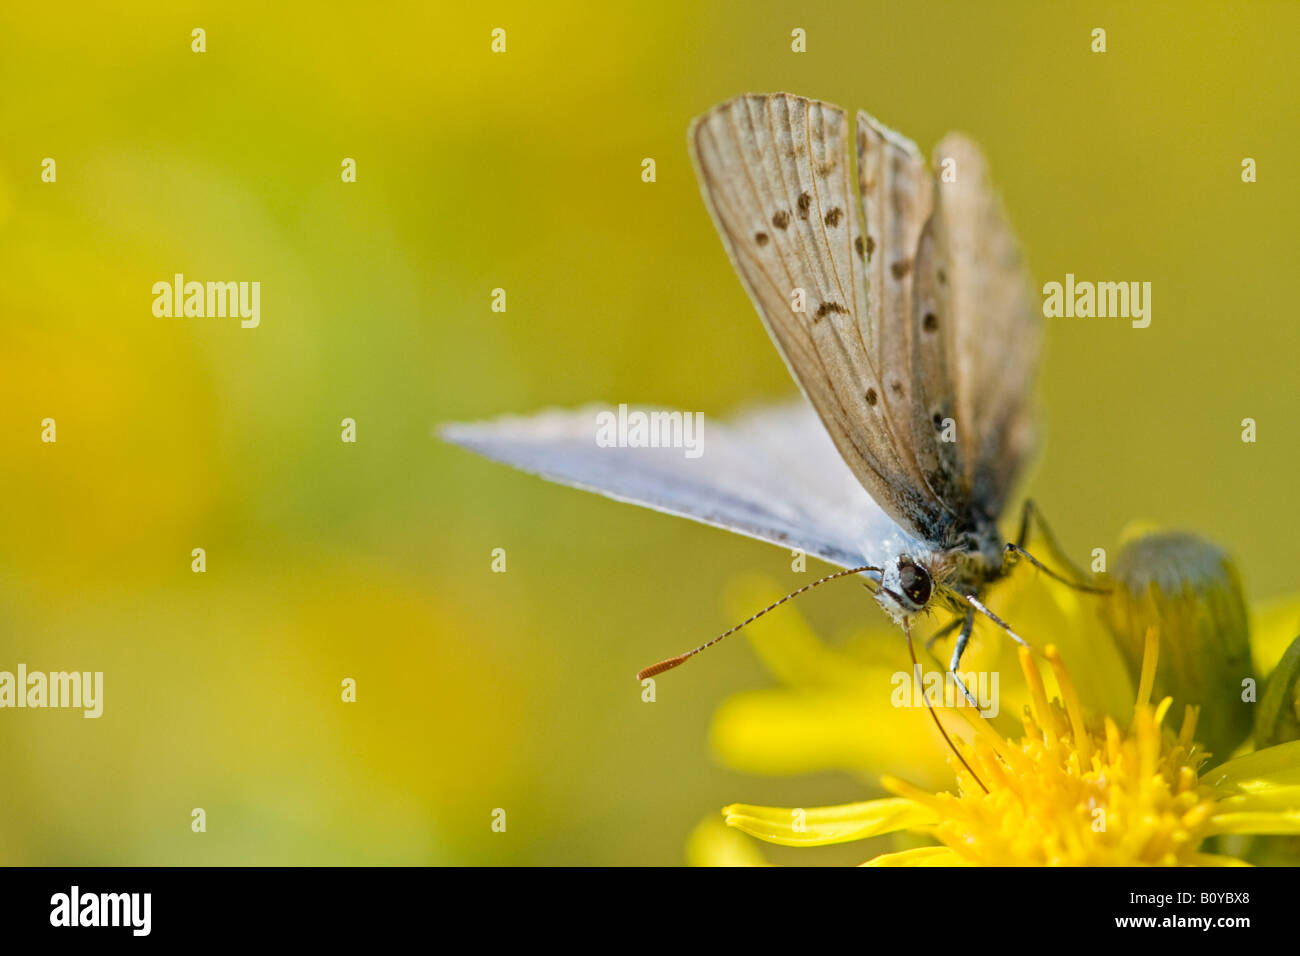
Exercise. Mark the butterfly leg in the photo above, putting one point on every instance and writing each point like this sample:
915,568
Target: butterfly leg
967,625
978,605
1031,513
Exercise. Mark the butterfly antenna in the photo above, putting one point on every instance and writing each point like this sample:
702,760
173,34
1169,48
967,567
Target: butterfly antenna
916,673
680,659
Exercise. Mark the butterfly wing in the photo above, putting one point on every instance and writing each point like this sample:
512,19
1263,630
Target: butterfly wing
772,474
774,171
988,327
897,203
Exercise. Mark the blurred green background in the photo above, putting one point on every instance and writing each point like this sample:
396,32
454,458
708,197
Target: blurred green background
475,171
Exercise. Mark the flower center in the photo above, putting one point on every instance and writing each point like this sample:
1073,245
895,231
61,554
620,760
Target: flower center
1070,793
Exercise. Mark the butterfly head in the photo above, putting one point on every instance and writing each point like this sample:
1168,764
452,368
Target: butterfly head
906,587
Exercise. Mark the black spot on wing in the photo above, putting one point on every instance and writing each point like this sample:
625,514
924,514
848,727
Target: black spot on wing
826,308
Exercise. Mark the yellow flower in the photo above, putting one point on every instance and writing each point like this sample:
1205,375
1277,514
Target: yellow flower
1066,793
1120,782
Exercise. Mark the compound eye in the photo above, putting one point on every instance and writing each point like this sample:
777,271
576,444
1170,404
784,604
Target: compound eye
915,582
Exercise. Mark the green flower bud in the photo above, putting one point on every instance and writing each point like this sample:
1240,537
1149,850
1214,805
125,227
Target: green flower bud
1189,589
1278,717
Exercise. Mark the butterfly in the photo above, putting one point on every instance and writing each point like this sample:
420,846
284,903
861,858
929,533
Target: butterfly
898,298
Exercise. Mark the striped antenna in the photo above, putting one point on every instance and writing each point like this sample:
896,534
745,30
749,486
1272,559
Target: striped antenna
680,659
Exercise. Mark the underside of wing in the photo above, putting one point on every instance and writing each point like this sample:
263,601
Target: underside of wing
988,322
772,474
897,204
775,173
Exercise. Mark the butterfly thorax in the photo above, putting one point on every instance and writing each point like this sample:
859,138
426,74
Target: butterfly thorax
969,559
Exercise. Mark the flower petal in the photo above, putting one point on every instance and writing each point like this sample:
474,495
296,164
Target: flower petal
1278,822
1273,626
822,826
712,844
1267,798
786,732
1277,766
920,856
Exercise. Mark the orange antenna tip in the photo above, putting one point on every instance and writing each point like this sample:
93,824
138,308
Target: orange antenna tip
656,669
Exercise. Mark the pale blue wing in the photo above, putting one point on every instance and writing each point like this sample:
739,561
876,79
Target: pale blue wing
771,474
